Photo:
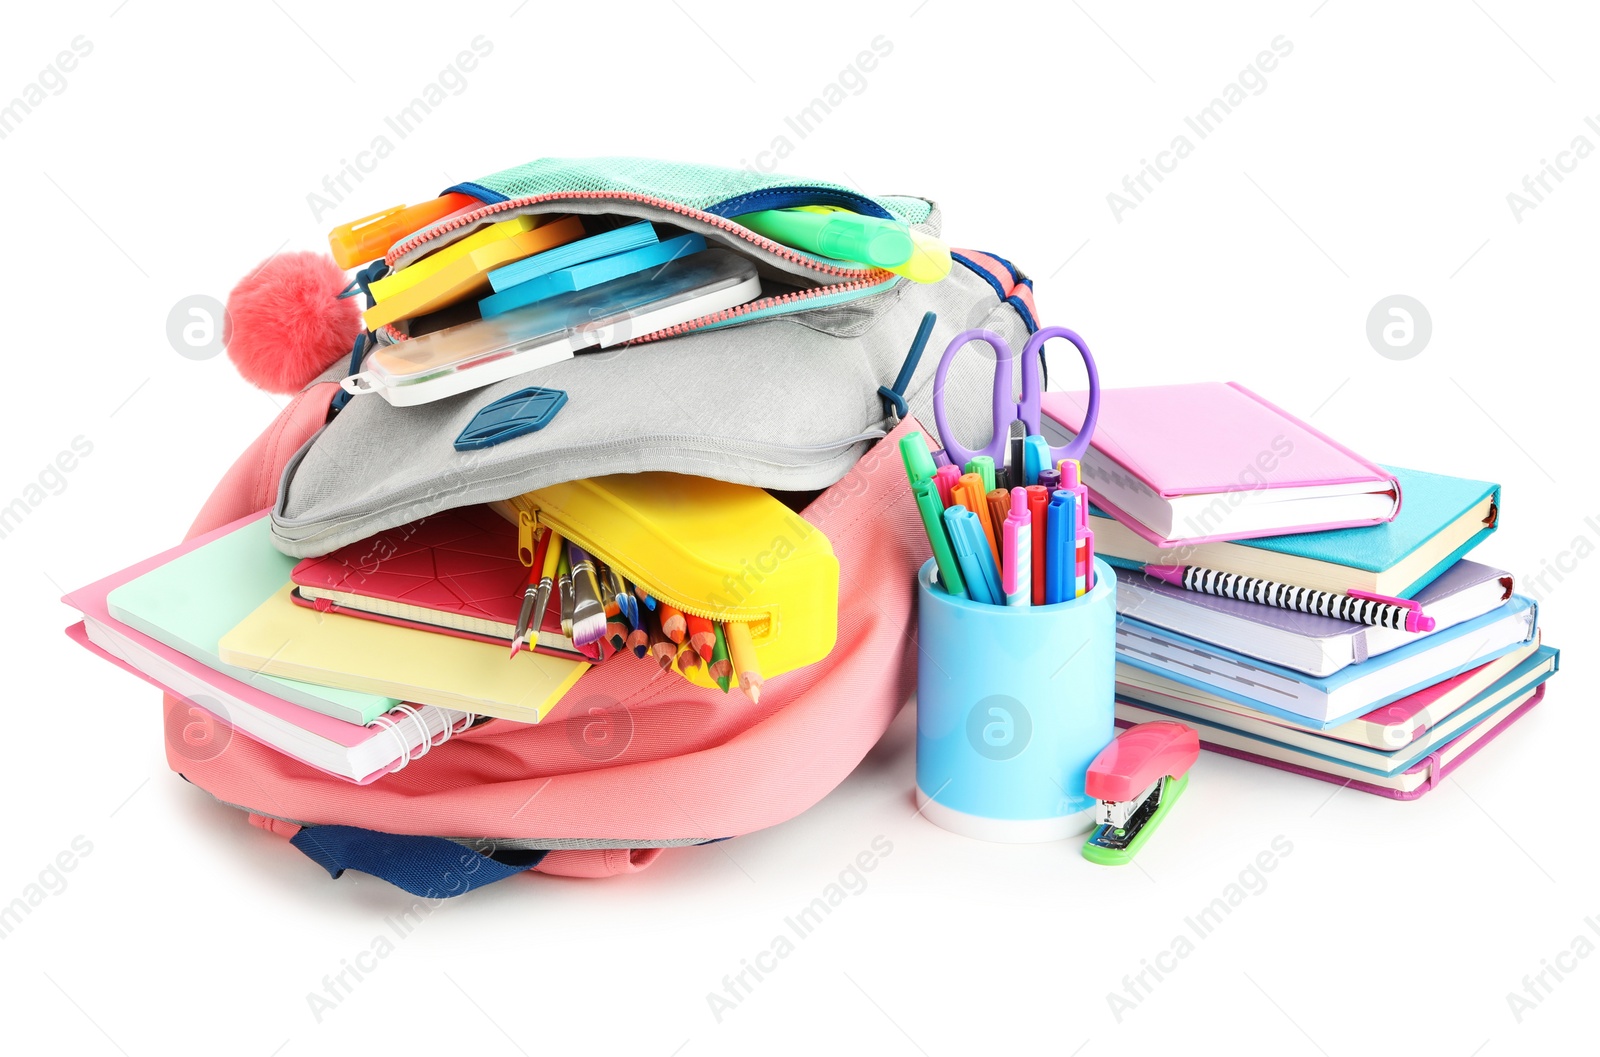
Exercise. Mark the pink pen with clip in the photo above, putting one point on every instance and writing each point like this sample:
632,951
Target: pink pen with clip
1016,567
1072,480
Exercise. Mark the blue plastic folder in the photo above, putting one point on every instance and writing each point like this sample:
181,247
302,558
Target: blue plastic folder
973,553
617,240
590,273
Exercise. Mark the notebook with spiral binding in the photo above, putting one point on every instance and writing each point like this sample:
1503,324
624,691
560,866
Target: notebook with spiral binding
356,752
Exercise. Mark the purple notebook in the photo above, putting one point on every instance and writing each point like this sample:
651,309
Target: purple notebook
1304,641
1423,776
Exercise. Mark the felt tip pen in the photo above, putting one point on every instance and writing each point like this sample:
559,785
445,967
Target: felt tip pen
918,459
970,493
972,551
932,514
999,502
945,479
1038,504
983,466
1050,479
1016,571
1035,457
1357,607
1059,549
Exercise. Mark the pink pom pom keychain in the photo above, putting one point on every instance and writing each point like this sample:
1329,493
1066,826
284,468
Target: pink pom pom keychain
286,322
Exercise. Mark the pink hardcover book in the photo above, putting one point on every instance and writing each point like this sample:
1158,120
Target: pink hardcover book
353,752
1211,461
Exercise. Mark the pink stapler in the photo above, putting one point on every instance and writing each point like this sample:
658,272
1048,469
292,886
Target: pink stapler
1137,779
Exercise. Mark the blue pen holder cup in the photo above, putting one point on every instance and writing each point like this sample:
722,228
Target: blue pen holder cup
1013,704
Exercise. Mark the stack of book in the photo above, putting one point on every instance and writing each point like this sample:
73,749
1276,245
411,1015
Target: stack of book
251,640
1237,532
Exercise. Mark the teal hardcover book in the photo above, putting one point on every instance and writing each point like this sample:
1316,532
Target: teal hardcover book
192,601
1441,519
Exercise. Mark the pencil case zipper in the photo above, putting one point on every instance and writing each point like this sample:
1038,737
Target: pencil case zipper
853,282
758,619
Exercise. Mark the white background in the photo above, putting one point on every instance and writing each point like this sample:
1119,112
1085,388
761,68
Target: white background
1377,160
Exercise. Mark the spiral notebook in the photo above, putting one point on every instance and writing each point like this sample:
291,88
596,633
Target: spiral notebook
1306,642
356,752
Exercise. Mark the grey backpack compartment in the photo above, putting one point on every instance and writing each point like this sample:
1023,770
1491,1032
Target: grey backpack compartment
787,401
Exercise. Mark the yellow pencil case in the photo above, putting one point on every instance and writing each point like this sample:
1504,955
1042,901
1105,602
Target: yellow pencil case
727,552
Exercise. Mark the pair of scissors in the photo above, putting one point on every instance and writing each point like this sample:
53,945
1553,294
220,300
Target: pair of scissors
1006,409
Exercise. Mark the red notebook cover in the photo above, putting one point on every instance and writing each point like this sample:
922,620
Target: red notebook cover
459,563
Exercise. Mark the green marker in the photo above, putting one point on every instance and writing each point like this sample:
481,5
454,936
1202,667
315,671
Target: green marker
841,236
920,470
983,466
918,459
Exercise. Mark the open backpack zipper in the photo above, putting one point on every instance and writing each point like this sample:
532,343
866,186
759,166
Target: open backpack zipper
847,283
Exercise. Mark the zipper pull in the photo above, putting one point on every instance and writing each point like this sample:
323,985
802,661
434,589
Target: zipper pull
528,532
894,398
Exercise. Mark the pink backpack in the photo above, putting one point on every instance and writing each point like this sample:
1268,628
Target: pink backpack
626,765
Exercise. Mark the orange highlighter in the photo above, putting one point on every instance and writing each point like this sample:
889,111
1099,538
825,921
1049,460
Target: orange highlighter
369,238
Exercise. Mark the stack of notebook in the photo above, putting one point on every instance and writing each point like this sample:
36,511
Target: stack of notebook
1377,708
354,663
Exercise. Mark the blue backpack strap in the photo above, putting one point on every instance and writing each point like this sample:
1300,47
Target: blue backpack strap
432,867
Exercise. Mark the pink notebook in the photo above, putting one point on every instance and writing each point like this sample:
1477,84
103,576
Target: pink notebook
347,750
1212,461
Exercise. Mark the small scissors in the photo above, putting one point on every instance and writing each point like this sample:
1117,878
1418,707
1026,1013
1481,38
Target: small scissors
1007,410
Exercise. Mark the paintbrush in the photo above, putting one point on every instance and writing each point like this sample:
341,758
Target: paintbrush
588,611
536,599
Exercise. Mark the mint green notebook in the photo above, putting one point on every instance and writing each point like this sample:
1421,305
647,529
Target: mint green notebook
192,601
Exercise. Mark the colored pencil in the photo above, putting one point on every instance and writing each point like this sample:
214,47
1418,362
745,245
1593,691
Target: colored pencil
721,668
645,596
688,660
661,647
742,650
702,635
672,622
639,638
616,634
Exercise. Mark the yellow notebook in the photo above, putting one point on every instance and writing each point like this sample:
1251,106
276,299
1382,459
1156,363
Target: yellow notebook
351,653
